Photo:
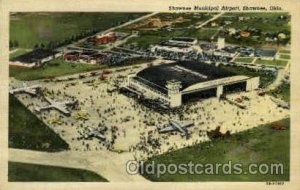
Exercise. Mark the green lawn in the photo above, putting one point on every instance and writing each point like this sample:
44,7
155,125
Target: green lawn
29,29
244,59
283,92
271,62
147,38
285,56
23,172
59,67
54,68
18,52
258,145
26,131
285,51
150,37
203,34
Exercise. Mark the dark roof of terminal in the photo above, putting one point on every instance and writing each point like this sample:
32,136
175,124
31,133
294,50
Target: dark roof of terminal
184,39
170,44
265,53
187,72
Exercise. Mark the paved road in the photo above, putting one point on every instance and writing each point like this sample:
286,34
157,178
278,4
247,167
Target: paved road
108,164
281,73
212,19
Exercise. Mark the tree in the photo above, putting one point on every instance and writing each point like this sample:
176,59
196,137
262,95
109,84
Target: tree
36,46
51,45
11,44
15,44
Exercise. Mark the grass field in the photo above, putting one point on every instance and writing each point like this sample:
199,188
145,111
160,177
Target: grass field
283,92
59,67
147,38
285,56
271,62
258,145
54,68
285,51
203,34
23,172
26,131
18,52
244,59
29,29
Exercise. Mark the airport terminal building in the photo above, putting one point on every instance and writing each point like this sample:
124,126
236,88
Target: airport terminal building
177,83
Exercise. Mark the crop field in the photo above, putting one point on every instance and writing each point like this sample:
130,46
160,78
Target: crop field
31,29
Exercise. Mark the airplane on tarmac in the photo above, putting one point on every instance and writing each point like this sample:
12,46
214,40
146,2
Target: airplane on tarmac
178,126
281,103
95,132
60,106
32,90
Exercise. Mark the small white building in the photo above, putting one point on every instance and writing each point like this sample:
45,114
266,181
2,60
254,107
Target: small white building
221,43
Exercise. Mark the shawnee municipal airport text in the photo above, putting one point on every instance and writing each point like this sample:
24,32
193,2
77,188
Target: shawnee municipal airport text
223,8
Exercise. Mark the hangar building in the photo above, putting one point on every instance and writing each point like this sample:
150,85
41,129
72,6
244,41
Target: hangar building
176,83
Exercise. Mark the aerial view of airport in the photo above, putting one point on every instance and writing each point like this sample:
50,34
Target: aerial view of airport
89,92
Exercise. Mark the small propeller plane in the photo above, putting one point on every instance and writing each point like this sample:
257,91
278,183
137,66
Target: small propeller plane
60,106
32,90
178,126
95,133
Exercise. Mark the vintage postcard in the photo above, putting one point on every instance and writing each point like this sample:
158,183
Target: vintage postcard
132,94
